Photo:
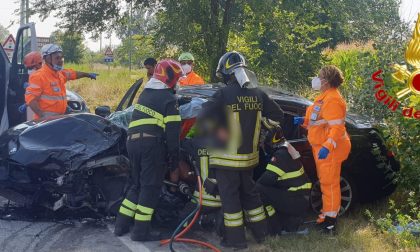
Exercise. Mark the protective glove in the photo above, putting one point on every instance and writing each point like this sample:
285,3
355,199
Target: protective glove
25,85
323,153
92,76
22,108
298,120
210,186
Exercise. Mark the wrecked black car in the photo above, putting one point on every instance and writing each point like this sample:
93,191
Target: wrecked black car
69,161
80,160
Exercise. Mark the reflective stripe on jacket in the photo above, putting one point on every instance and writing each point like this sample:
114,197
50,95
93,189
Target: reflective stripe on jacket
239,111
156,113
285,173
49,87
325,120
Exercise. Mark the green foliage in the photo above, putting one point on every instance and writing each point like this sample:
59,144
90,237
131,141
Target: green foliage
142,48
72,44
284,49
3,33
400,222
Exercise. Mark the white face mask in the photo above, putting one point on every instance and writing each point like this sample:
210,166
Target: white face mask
316,84
30,71
187,68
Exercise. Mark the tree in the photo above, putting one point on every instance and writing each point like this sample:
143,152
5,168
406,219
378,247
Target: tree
4,33
201,27
72,44
282,39
142,48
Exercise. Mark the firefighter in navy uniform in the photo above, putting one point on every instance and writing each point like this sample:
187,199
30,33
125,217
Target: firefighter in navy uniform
152,145
284,186
234,113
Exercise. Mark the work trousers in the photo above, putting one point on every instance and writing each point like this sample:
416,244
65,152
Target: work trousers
148,167
285,210
240,199
328,171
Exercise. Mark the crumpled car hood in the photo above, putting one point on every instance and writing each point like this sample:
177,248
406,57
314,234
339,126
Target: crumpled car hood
67,141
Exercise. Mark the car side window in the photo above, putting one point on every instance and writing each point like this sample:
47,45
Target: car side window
291,131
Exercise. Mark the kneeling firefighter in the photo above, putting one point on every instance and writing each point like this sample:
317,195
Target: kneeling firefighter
235,111
152,145
284,186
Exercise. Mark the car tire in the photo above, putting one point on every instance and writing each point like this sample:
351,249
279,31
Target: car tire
348,195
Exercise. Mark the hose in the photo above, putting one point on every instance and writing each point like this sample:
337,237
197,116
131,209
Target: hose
177,237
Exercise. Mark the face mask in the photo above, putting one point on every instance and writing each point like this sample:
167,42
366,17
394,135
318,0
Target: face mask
30,71
187,68
316,84
57,67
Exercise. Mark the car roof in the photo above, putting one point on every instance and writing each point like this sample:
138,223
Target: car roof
208,90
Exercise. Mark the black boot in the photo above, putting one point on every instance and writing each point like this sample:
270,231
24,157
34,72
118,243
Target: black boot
234,246
234,237
328,226
142,232
122,224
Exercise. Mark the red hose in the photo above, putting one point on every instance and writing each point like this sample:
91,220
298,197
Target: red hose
187,228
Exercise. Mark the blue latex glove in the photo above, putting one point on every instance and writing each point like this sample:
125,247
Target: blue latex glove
298,120
25,85
22,108
323,153
93,76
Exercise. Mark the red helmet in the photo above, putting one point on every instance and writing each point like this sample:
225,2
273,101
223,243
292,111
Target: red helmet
32,60
168,71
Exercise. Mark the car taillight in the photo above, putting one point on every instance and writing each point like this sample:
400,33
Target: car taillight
390,154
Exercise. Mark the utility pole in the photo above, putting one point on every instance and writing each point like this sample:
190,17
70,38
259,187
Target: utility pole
27,12
22,12
129,39
100,42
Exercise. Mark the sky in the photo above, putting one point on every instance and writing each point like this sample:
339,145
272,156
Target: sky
408,11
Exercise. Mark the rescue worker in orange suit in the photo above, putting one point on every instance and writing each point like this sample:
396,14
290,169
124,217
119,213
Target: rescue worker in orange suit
33,61
234,115
325,121
187,62
153,146
284,186
46,92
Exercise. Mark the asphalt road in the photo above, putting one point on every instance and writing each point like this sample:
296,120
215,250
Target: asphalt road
20,231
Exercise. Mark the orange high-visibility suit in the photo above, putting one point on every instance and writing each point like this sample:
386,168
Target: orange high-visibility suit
191,79
325,121
49,87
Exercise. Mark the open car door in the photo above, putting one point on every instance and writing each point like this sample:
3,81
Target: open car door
25,42
129,96
4,82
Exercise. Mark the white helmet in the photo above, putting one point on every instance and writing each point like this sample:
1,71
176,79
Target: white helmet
50,49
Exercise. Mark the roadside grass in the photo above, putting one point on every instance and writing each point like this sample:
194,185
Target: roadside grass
109,87
354,233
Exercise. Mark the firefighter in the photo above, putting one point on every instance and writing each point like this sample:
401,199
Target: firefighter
187,62
46,92
234,115
197,149
325,121
153,145
284,186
